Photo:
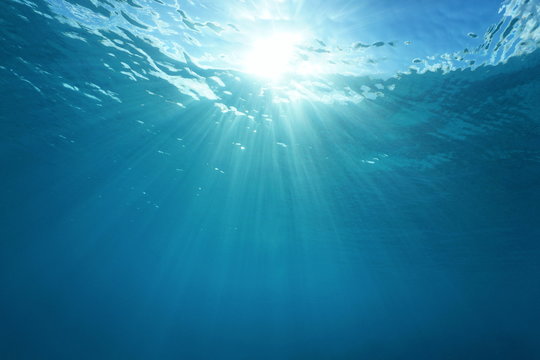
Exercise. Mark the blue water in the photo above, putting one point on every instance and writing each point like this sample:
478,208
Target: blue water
159,201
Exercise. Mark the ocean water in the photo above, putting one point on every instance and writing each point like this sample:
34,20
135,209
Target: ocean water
269,179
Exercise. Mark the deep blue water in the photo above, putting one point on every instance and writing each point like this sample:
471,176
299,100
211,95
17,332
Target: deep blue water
159,202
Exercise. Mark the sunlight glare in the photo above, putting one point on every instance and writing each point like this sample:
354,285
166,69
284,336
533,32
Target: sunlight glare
273,56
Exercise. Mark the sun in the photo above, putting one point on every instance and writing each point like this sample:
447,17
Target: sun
273,56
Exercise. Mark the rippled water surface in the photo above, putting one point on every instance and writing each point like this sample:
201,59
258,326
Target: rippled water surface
287,179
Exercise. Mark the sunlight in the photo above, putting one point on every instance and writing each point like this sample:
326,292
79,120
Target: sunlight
274,56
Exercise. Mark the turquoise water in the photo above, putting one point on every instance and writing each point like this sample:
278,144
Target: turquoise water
269,179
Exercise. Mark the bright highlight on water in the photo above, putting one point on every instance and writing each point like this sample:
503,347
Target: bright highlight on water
274,56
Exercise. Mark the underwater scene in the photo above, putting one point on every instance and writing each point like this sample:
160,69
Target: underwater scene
270,179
